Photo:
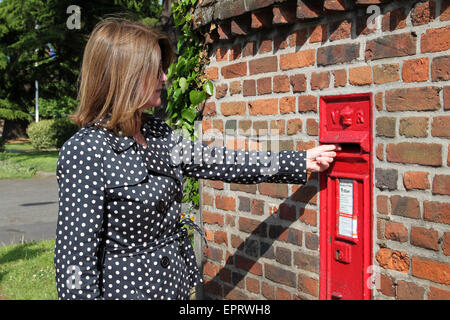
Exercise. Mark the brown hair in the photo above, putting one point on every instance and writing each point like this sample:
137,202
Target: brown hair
119,73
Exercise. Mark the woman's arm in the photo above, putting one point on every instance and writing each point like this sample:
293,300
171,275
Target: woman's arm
80,218
247,167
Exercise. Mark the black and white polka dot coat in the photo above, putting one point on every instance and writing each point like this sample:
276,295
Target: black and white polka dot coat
118,233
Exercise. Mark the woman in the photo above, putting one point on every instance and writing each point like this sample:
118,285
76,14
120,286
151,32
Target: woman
119,233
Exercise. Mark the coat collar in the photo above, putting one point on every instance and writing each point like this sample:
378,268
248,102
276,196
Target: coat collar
151,126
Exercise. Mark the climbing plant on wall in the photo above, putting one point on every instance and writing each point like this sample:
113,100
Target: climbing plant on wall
188,90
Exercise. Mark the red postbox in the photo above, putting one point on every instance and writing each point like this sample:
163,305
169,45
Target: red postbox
346,198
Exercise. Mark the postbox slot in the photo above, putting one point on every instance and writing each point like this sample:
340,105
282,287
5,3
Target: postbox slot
351,148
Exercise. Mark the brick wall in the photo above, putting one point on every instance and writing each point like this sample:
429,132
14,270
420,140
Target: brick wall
269,67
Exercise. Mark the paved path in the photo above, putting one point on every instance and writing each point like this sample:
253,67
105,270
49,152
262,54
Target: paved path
28,209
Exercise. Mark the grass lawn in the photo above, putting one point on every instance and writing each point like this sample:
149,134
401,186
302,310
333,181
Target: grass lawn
27,271
20,160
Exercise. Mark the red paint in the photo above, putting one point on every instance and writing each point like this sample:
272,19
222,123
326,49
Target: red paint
346,254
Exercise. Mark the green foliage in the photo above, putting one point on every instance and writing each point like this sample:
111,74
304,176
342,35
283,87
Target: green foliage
188,90
51,133
42,134
63,129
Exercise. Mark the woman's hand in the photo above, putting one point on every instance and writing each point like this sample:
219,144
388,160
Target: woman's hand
319,159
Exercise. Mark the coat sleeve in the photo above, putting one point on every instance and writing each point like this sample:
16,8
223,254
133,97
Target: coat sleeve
239,166
81,205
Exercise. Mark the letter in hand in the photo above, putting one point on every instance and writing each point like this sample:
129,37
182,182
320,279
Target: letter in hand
319,159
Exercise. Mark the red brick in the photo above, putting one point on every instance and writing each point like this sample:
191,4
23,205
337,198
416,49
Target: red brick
311,241
251,226
212,218
435,271
257,207
267,291
440,69
287,212
380,152
209,109
385,73
261,19
221,90
398,45
394,260
416,153
436,211
438,294
387,286
441,127
275,190
445,10
281,84
429,43
263,65
234,70
312,127
225,203
220,237
298,59
224,30
416,70
306,261
320,80
446,243
343,53
207,199
385,127
318,33
262,107
425,238
264,85
414,127
394,20
340,78
340,30
233,108
235,51
294,126
308,216
307,104
249,49
213,287
222,54
249,265
382,204
279,42
413,99
298,38
304,194
405,207
441,184
249,88
265,46
306,11
308,285
409,291
287,105
423,13
279,275
395,231
252,285
298,83
416,180
235,87
379,101
283,294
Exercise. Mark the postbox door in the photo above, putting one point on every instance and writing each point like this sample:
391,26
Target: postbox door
346,198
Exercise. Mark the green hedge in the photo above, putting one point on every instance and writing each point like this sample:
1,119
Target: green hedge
47,134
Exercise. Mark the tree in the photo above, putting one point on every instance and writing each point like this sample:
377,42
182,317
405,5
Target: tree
36,44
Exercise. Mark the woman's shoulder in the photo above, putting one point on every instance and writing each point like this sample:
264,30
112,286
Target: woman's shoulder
86,137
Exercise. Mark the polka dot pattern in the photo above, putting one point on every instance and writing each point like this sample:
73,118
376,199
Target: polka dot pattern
118,232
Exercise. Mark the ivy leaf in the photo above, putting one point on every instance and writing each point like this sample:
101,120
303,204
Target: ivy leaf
183,84
177,93
197,97
209,88
189,114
